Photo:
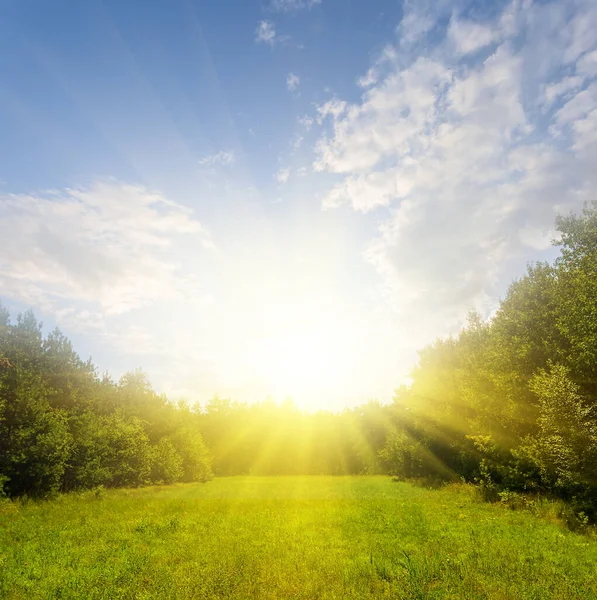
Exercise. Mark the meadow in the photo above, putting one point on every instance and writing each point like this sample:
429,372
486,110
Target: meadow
288,537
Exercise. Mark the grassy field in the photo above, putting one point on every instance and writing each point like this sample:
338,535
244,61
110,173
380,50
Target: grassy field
288,537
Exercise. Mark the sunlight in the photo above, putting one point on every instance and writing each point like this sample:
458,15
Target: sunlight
335,265
301,364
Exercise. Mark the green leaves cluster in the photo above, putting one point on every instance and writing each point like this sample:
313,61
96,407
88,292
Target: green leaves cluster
511,403
64,428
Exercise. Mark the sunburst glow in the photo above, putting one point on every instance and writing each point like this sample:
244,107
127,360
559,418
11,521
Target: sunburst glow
299,363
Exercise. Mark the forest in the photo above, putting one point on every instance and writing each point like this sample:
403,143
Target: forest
510,404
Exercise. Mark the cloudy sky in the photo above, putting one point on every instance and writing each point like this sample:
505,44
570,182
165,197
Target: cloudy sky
284,197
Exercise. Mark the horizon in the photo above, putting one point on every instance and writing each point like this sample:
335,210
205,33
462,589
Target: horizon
285,198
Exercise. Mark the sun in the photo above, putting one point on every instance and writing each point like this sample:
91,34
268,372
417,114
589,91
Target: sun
304,366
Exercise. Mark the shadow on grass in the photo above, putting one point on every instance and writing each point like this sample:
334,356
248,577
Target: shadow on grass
555,510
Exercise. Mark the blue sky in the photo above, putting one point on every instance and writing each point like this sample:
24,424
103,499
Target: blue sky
285,197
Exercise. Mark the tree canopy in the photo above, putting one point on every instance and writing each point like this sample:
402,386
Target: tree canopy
64,428
511,403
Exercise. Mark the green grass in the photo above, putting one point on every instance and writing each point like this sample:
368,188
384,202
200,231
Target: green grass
288,537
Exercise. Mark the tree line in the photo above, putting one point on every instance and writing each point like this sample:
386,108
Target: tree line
270,439
63,428
509,404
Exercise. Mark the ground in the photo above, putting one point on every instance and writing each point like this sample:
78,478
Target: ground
288,537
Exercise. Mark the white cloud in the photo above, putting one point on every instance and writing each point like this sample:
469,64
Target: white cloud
578,106
333,108
416,22
419,18
469,176
292,82
587,64
386,123
562,88
468,36
366,192
107,249
292,5
369,78
579,32
388,55
223,158
266,33
282,176
306,122
297,142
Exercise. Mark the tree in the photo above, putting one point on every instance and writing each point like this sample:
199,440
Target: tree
166,462
34,439
63,428
565,447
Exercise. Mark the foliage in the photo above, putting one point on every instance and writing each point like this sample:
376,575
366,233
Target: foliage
195,457
166,462
511,403
270,439
63,428
565,446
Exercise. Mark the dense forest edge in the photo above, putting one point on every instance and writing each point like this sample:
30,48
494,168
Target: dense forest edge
509,404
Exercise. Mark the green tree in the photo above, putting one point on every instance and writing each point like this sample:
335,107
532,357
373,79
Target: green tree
166,462
565,446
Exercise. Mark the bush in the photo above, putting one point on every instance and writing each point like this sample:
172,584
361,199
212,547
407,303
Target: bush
166,463
196,458
3,480
128,454
565,446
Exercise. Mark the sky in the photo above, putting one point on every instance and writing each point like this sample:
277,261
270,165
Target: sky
284,198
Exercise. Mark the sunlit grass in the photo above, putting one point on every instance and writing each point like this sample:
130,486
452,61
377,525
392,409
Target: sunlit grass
288,537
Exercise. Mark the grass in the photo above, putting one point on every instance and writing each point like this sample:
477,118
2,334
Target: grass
288,537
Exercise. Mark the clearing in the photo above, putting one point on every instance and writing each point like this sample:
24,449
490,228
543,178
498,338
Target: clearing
288,537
